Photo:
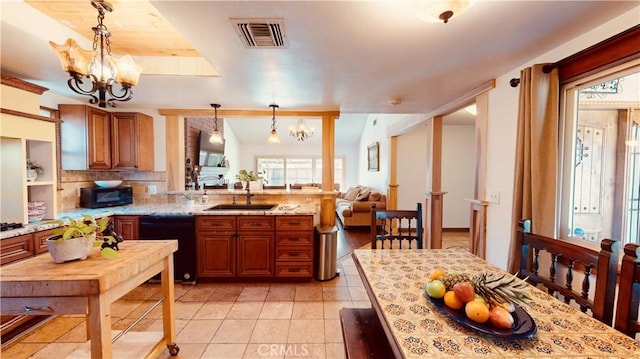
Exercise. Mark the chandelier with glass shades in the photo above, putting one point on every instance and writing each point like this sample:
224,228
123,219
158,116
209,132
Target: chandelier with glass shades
301,132
103,70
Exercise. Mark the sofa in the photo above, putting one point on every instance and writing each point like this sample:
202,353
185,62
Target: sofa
353,207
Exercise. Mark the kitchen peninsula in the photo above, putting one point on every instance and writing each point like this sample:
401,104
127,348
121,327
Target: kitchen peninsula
229,244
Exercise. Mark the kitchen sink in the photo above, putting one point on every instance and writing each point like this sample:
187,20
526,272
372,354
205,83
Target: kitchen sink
242,207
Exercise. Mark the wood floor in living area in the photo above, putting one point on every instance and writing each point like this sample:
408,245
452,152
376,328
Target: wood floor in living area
225,320
356,237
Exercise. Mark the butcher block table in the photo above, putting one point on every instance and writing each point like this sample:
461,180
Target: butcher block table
38,286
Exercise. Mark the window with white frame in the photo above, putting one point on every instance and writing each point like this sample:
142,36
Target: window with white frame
280,170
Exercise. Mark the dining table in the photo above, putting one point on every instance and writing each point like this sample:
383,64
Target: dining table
417,326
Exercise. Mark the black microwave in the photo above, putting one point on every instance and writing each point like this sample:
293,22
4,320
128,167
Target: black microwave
95,197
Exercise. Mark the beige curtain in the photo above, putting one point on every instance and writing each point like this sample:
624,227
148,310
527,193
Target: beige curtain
536,155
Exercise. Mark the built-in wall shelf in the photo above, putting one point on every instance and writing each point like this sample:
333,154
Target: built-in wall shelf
24,135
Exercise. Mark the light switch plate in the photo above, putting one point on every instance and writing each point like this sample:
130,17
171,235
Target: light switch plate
493,196
152,189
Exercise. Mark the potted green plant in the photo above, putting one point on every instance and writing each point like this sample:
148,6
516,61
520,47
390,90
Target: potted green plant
190,198
247,177
75,238
34,169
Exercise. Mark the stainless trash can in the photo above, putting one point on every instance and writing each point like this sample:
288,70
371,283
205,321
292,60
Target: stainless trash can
326,252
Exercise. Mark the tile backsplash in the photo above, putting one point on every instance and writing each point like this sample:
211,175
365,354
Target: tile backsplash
72,181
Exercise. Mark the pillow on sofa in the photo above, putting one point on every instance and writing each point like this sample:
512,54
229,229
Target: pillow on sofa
363,195
375,196
352,193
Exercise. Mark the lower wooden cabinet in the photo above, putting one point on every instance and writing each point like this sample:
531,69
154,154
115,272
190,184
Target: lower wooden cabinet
294,246
216,255
12,250
127,226
16,248
253,247
216,246
40,241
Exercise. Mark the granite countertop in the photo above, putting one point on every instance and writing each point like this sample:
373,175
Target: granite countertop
159,210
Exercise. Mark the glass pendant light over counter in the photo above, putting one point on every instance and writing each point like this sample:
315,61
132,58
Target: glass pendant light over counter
216,137
273,136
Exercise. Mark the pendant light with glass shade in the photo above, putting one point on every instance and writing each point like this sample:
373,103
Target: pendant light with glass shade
216,137
273,136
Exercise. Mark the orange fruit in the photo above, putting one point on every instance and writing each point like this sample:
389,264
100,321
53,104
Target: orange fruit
436,273
452,301
477,311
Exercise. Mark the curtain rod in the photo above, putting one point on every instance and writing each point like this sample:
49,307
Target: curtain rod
514,82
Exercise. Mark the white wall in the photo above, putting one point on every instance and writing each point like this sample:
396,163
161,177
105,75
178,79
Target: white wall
458,174
351,154
412,168
503,110
374,131
231,152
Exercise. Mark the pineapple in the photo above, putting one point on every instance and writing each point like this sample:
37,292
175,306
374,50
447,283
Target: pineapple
451,279
500,289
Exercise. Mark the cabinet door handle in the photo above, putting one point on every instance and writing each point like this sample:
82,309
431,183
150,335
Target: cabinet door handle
294,254
294,269
294,239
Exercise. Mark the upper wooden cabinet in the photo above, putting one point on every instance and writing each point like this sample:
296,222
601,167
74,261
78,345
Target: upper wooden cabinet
92,138
132,140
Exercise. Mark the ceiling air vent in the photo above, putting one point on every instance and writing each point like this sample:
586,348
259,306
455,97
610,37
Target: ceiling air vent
261,33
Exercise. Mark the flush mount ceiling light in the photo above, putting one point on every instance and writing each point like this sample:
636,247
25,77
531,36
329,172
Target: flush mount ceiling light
216,137
441,10
273,136
301,132
98,65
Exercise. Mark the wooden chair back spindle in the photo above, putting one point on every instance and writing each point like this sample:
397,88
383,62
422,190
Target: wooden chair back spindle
629,292
397,228
572,258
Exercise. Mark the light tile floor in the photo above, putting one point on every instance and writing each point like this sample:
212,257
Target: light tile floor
214,320
235,320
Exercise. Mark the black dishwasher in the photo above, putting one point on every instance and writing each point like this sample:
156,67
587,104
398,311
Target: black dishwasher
174,226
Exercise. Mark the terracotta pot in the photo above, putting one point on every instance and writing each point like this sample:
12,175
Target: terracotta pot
71,249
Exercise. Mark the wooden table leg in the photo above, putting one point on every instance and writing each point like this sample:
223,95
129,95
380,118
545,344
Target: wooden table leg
168,315
99,321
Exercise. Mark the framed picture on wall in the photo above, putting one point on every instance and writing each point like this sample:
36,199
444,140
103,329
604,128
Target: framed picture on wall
373,152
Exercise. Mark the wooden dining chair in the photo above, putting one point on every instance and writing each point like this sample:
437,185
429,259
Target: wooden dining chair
629,291
397,228
563,256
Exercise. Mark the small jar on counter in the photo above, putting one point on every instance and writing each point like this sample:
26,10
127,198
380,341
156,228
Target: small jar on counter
205,198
